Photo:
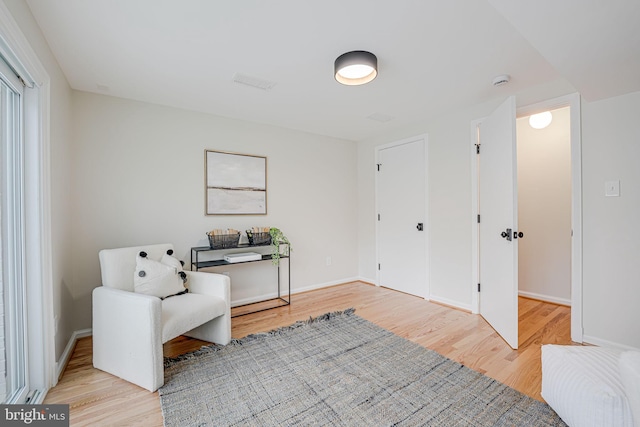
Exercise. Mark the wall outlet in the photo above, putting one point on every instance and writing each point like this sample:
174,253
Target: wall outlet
328,260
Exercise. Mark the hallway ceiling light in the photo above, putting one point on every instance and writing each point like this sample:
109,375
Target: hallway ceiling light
541,120
356,68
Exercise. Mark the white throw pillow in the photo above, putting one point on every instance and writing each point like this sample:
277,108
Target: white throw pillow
155,278
171,261
629,364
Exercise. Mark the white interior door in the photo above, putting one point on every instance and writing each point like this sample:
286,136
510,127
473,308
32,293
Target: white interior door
402,229
498,221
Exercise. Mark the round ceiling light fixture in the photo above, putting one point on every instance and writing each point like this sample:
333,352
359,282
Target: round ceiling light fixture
356,68
541,120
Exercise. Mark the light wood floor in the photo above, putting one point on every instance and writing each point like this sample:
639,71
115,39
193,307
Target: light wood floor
100,399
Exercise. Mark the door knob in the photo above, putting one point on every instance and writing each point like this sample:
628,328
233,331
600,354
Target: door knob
420,226
518,234
506,234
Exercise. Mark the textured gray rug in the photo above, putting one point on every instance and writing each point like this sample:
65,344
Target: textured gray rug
337,370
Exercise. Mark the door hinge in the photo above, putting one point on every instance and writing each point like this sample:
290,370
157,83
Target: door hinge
478,287
378,165
378,217
477,148
378,266
478,218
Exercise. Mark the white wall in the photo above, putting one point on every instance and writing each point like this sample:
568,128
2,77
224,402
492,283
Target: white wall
139,179
544,209
60,179
611,284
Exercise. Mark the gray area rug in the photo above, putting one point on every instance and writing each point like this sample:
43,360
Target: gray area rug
337,370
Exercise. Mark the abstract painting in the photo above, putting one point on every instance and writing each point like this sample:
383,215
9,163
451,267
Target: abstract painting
236,184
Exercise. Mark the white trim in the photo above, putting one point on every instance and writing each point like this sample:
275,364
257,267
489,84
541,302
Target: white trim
546,298
367,280
604,343
18,52
577,330
38,225
572,101
475,227
251,300
68,350
15,370
451,303
324,285
425,138
37,398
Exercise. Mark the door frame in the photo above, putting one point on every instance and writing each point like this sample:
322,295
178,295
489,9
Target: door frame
572,101
425,140
41,319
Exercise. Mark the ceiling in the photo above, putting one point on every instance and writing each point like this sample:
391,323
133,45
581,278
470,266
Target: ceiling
434,56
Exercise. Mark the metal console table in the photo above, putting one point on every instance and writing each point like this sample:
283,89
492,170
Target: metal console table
254,307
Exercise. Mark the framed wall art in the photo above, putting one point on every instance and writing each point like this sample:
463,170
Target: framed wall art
235,184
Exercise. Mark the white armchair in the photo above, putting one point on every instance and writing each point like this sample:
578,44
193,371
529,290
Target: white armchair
129,328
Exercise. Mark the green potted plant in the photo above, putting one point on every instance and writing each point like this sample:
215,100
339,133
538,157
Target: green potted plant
278,238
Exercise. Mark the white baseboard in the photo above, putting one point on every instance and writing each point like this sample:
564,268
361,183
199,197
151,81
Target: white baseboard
605,343
546,298
251,300
450,303
324,285
432,298
367,280
68,350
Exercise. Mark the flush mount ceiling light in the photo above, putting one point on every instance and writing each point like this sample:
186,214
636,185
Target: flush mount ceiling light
541,120
356,68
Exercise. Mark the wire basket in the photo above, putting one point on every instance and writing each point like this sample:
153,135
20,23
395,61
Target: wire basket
221,241
258,239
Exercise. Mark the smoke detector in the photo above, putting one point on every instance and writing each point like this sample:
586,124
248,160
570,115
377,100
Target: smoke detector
501,80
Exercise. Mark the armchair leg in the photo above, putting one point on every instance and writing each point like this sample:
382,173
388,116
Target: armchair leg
216,331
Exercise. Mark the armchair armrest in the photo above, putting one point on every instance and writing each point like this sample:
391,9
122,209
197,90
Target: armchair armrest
209,284
127,336
219,329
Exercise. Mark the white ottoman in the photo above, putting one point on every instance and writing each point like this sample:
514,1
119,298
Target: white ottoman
584,386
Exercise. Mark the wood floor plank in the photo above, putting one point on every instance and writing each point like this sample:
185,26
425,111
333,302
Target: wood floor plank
100,399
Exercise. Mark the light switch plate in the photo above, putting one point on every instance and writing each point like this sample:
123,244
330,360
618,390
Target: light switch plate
612,188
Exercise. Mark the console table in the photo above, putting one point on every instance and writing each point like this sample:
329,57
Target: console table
254,307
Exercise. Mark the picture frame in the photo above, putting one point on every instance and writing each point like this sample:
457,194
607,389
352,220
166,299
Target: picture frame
235,184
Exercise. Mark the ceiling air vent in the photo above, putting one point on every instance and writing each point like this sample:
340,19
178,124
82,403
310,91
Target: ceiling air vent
379,117
253,81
